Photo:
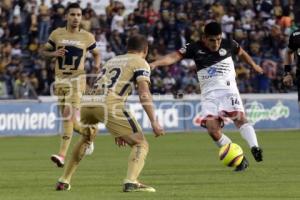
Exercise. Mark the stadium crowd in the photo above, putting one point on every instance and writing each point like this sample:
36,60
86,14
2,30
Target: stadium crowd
261,27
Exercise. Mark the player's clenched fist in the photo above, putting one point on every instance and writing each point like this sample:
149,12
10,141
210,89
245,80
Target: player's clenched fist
60,52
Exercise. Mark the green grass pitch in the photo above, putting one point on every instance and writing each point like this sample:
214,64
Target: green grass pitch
180,166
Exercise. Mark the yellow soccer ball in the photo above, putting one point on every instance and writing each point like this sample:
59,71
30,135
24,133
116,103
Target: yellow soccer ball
231,155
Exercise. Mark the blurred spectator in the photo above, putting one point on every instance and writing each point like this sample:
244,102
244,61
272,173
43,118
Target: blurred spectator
33,46
23,88
57,17
15,29
117,22
88,9
108,54
43,22
95,23
189,80
16,50
33,29
227,22
151,15
169,83
277,8
270,72
117,43
157,85
217,10
285,21
86,22
4,84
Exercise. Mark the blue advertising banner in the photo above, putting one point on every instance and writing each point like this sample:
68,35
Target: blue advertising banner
30,118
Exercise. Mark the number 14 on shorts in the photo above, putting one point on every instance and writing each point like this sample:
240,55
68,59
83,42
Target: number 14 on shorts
234,101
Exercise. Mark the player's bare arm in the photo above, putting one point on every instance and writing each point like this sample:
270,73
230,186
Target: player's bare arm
247,59
168,59
146,101
288,60
46,52
97,60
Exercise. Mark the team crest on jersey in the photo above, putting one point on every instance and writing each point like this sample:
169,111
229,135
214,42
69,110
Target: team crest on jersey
222,52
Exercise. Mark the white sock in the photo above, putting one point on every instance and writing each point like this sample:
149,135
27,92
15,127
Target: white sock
248,133
223,140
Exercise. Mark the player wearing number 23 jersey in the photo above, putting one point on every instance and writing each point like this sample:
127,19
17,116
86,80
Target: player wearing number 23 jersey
106,104
115,82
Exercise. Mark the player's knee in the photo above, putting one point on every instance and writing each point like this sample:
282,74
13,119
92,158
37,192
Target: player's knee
212,128
67,113
89,132
145,145
240,122
214,132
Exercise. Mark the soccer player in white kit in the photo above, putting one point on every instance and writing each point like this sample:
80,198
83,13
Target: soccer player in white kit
219,92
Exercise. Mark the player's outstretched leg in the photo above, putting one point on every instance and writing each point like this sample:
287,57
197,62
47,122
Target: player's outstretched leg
215,131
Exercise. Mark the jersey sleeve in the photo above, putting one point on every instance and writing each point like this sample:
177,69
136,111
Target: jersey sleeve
292,45
141,70
235,47
91,44
187,51
51,45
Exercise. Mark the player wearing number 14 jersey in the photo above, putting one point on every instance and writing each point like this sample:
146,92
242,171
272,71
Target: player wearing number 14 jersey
69,45
220,98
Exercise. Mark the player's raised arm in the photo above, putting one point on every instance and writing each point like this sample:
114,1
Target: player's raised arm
168,59
147,103
247,59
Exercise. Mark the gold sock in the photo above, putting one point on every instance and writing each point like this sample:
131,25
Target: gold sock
77,155
66,138
136,161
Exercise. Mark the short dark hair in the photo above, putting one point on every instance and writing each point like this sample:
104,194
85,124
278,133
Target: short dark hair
72,5
212,28
137,42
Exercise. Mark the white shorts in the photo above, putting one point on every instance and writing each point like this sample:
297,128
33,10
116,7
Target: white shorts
220,104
